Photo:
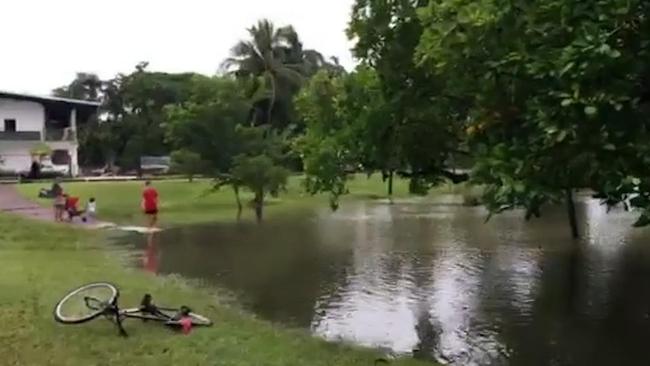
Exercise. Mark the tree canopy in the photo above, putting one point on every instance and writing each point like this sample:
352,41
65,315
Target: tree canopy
538,99
550,82
513,88
276,64
206,122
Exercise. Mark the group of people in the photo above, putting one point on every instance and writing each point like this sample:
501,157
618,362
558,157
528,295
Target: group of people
66,205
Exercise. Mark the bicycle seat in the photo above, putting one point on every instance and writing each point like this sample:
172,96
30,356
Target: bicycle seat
147,305
146,300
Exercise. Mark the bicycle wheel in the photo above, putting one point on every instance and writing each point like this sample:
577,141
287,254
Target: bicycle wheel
85,303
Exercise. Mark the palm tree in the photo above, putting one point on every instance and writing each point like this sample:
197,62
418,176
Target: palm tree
85,87
264,57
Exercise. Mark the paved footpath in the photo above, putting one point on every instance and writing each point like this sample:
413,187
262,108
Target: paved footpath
13,202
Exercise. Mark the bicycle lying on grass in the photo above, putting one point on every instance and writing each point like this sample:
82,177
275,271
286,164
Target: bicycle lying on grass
92,300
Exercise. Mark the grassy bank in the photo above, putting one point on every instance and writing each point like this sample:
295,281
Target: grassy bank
39,262
183,202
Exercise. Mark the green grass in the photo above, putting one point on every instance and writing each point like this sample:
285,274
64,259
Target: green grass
39,262
470,194
183,203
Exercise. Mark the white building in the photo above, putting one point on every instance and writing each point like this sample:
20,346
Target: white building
27,121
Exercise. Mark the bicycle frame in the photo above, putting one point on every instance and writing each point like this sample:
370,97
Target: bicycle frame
146,311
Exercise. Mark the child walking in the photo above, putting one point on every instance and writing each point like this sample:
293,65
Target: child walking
91,210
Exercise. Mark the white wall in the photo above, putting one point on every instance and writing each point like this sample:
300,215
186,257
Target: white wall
15,156
29,116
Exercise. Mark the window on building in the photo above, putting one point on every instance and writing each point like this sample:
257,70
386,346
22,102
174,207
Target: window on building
10,125
60,157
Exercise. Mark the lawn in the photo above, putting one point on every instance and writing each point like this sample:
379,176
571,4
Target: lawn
183,202
39,262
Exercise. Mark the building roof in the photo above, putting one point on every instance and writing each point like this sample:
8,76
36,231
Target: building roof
47,99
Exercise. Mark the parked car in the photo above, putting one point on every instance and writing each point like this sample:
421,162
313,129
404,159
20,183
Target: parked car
155,164
47,168
104,171
47,171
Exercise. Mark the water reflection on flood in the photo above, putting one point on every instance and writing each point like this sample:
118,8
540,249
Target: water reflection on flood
150,255
436,281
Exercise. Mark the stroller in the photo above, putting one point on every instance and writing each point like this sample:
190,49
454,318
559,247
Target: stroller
71,208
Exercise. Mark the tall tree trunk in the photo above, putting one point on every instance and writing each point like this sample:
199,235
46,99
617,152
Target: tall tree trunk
259,205
235,188
571,210
391,174
271,101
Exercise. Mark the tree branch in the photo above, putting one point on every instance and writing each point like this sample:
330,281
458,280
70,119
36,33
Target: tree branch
453,177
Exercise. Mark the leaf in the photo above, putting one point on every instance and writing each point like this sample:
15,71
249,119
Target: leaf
519,187
567,67
566,102
621,11
604,48
614,54
591,110
561,136
609,147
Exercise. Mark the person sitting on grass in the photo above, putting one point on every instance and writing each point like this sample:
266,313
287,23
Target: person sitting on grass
52,192
71,207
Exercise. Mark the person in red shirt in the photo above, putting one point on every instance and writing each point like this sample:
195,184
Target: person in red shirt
150,203
71,207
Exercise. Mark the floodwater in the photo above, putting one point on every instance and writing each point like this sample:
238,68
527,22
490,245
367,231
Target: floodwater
435,281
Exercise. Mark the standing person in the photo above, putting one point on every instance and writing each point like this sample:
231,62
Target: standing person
35,170
59,201
150,203
91,210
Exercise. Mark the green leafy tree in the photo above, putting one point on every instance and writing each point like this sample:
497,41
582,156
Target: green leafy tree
132,120
227,179
558,92
350,127
263,58
326,145
261,175
187,163
374,131
259,167
275,64
420,124
94,144
206,123
144,96
85,86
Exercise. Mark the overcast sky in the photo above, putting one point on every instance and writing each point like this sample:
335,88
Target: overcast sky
45,42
